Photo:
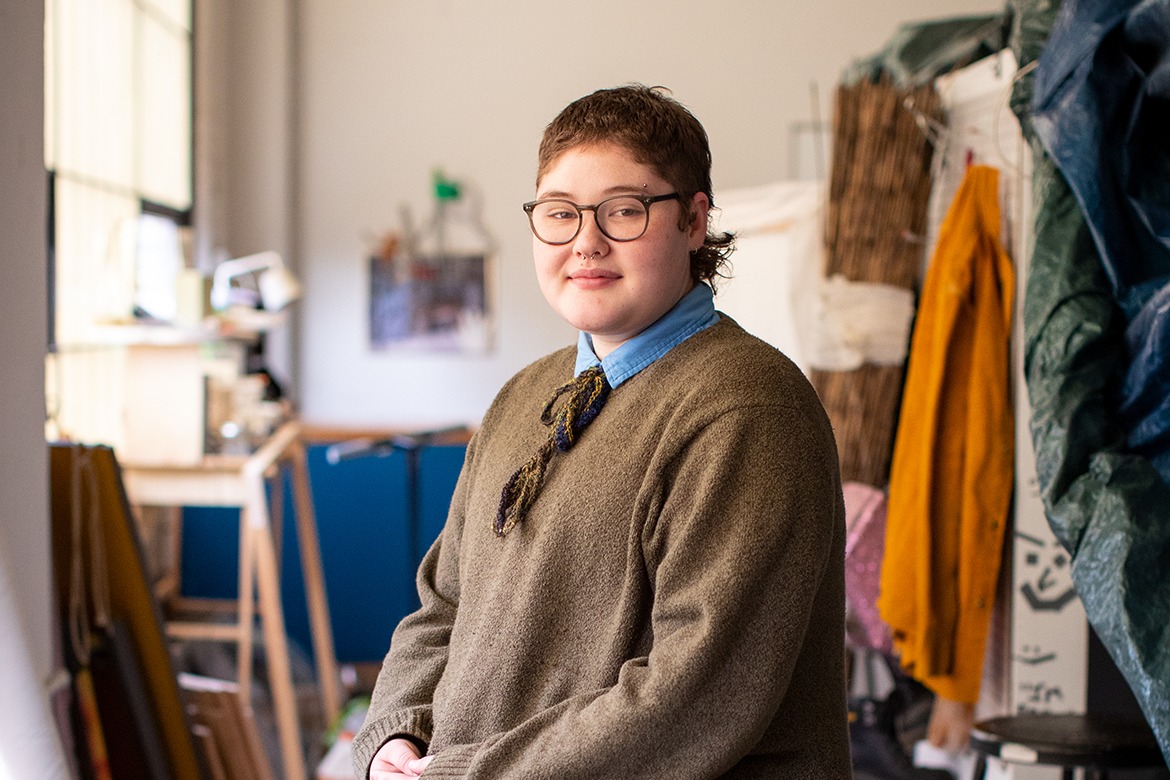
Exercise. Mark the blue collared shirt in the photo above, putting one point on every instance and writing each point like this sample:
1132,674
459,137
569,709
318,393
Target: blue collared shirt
694,313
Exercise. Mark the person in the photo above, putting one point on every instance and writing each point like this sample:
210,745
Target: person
643,576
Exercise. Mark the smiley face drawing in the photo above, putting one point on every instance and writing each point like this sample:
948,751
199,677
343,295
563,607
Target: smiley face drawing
1034,655
1048,586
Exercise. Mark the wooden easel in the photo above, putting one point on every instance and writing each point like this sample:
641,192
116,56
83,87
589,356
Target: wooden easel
240,482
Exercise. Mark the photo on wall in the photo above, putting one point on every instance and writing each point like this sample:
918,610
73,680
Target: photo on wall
429,303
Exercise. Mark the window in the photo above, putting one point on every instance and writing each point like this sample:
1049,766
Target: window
117,145
118,150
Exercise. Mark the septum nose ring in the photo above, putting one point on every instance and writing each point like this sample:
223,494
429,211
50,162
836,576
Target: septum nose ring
583,257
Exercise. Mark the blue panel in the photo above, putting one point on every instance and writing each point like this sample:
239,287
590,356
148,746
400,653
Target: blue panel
438,473
361,519
361,509
211,552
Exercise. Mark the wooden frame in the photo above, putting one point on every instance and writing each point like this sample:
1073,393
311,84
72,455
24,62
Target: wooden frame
240,482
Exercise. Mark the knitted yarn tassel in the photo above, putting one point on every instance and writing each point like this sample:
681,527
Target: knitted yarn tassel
587,394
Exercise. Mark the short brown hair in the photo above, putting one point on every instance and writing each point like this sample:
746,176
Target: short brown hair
657,131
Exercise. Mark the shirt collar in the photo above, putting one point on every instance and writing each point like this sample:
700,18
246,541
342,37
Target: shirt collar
695,312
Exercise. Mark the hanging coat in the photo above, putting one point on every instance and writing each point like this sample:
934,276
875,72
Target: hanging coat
952,472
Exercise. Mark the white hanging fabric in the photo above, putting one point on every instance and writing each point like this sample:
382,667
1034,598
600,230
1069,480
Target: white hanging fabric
778,257
777,291
859,322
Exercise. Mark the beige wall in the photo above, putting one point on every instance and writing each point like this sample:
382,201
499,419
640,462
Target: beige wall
24,475
388,90
28,740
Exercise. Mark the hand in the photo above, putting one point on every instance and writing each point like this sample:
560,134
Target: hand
398,759
950,724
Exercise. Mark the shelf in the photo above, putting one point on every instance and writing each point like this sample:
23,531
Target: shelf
236,323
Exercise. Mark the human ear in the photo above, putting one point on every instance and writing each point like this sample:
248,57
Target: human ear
699,208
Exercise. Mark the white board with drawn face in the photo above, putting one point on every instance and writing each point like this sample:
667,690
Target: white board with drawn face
1050,636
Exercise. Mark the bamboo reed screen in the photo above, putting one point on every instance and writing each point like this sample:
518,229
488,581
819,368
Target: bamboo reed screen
875,231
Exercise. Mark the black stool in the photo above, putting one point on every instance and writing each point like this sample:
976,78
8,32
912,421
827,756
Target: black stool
1097,743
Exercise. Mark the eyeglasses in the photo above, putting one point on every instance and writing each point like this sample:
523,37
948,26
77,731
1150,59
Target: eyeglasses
620,218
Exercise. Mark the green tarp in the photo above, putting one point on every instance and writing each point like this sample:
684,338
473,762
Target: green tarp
1108,507
919,52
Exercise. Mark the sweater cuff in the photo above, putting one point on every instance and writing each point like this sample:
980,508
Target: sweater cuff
453,761
415,723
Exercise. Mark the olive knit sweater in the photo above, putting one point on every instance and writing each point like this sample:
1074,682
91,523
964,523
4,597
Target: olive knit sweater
671,607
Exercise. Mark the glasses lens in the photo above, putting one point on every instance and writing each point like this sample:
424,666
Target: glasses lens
555,221
622,218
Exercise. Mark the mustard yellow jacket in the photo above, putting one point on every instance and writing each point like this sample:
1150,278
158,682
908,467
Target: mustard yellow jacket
952,470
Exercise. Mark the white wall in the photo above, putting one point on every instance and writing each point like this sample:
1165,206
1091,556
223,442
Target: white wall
244,140
389,90
28,743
